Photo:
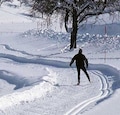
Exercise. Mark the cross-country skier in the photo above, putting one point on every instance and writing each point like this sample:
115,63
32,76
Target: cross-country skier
81,63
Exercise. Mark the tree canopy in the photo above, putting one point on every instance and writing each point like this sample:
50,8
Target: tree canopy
76,11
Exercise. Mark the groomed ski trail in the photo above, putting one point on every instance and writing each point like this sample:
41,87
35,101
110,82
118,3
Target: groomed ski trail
105,91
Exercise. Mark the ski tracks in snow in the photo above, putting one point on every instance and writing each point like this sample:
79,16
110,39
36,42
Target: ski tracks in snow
106,88
104,91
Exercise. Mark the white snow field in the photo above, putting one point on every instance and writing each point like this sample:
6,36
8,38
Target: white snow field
35,77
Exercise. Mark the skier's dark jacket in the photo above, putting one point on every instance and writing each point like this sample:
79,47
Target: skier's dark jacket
81,60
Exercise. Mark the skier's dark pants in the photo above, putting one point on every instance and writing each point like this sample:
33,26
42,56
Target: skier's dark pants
84,69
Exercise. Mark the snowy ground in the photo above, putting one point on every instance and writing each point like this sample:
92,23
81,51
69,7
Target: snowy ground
35,77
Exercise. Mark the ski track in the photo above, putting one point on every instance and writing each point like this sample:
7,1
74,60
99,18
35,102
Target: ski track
7,47
15,50
106,89
104,92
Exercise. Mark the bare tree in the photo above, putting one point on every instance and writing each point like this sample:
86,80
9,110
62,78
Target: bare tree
76,10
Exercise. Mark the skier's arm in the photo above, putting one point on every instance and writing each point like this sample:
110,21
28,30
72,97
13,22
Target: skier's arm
72,61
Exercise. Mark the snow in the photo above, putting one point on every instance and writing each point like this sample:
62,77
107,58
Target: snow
35,77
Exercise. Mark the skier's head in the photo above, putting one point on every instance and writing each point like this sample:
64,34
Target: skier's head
80,51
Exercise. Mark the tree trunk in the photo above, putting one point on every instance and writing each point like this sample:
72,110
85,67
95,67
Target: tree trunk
74,30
